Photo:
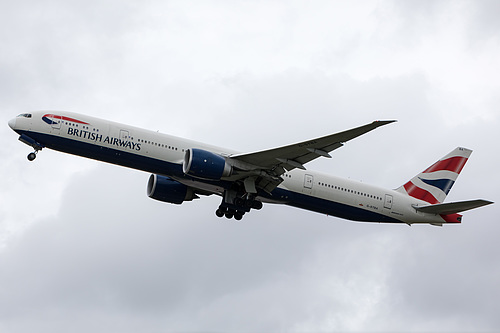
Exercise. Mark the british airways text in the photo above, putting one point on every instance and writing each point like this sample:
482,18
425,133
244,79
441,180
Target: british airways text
92,136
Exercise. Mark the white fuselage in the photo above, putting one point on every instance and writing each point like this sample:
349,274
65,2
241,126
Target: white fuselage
163,154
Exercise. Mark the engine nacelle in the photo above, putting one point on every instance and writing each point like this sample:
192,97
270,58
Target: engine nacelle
203,164
168,190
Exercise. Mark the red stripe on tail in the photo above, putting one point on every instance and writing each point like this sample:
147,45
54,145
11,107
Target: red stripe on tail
453,164
419,193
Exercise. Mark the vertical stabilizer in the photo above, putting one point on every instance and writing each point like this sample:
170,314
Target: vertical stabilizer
434,183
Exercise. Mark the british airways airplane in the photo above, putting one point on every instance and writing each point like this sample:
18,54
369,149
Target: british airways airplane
182,170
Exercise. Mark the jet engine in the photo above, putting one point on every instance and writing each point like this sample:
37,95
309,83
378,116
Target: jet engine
168,190
203,164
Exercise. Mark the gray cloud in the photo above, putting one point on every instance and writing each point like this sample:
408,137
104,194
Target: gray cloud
158,266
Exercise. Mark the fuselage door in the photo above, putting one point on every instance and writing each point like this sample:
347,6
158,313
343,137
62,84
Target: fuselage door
388,201
56,123
308,183
124,135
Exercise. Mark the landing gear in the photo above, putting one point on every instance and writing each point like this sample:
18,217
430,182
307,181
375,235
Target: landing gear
238,216
219,212
229,213
33,143
32,156
235,204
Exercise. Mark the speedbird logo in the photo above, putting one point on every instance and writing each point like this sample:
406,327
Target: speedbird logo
53,119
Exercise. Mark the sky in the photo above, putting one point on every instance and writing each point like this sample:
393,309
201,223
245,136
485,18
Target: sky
82,248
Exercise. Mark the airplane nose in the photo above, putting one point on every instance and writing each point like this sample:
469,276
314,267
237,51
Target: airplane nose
12,123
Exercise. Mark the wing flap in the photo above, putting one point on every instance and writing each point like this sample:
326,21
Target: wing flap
452,207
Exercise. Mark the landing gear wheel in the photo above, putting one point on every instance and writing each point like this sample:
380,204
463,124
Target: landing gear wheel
31,156
238,216
257,205
219,212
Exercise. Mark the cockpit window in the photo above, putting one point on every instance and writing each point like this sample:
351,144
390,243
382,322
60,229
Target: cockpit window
25,115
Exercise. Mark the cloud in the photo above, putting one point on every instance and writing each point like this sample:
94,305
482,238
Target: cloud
114,257
98,256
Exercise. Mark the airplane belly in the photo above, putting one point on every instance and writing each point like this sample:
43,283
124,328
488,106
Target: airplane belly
337,208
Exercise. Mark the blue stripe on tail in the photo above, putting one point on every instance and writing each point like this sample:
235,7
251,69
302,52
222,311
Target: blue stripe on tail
442,184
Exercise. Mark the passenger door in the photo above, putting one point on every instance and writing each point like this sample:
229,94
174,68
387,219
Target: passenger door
388,201
124,135
308,183
56,123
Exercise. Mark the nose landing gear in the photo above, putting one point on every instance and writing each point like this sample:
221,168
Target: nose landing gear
32,156
33,143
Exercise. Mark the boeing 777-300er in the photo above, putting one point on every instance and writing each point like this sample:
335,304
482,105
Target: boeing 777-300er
182,170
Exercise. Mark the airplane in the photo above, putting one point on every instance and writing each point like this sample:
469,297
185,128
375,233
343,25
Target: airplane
183,170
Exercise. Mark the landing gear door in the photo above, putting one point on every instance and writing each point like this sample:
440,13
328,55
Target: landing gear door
388,201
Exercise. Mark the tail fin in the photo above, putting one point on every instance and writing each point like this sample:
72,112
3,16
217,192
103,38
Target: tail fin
434,183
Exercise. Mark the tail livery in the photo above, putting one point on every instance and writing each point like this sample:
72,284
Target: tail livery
434,183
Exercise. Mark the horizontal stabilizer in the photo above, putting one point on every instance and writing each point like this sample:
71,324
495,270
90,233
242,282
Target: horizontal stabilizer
452,207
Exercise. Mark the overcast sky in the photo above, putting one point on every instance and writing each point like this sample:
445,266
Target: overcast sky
83,249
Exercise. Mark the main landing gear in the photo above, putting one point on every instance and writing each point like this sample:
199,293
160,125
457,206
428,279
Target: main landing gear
235,205
229,213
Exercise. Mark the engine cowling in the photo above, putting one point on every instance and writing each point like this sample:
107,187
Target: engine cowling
203,164
168,190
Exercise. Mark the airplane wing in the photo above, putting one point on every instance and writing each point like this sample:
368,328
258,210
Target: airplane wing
296,155
273,162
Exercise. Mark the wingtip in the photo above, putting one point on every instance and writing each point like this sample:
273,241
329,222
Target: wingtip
384,122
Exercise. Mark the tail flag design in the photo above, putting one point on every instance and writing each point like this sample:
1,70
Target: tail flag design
434,183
